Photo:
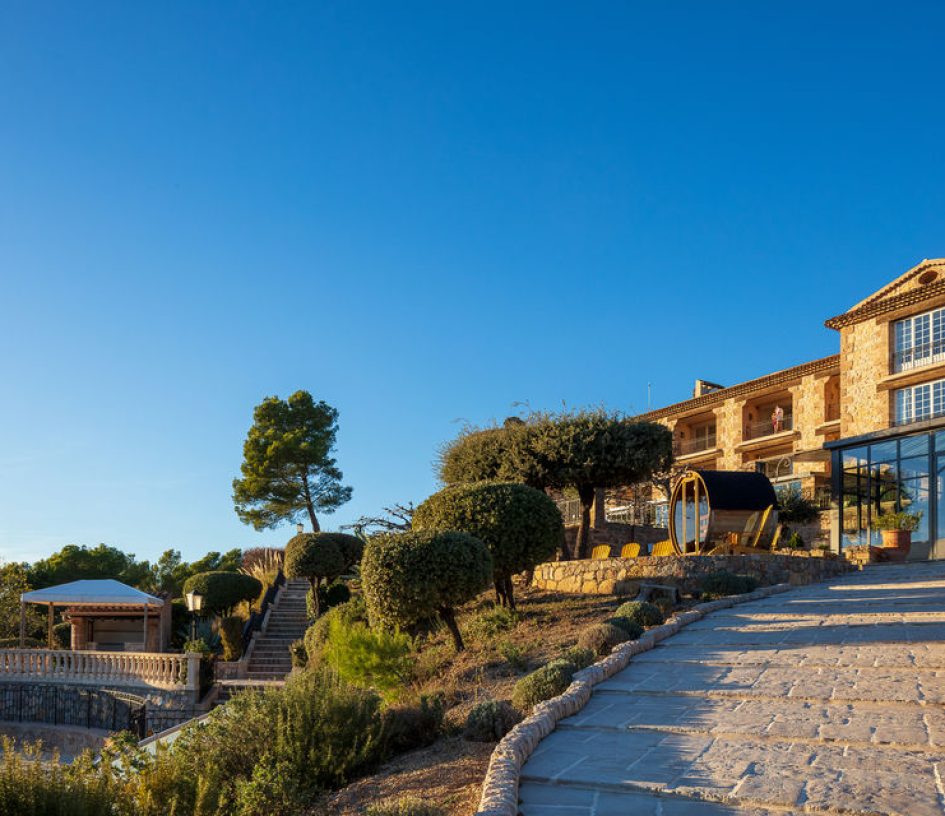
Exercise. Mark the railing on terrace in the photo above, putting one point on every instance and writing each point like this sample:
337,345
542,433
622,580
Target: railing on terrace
908,420
102,668
683,447
918,356
255,620
757,430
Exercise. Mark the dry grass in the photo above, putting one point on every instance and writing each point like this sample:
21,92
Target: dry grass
449,773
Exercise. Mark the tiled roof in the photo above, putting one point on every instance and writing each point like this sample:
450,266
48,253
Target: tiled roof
872,308
825,364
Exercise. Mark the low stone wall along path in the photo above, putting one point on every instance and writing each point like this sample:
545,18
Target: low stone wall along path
825,699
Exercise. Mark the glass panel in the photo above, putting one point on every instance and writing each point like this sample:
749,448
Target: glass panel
938,550
916,466
921,402
921,337
854,457
915,445
883,452
854,506
915,500
938,331
903,406
940,441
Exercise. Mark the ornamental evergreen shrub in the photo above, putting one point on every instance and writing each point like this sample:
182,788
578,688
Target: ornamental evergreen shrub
601,638
411,577
490,720
632,629
375,659
721,584
316,636
406,727
643,612
520,525
231,636
581,658
222,591
542,684
62,635
316,557
328,596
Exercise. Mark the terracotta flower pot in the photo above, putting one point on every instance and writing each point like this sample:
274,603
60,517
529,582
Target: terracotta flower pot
898,539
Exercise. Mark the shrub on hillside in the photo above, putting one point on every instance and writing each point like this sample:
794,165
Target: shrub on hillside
298,654
315,557
329,596
375,659
413,726
488,624
601,638
223,591
231,636
490,720
643,612
721,584
411,577
62,636
632,629
581,658
316,636
542,684
520,525
404,807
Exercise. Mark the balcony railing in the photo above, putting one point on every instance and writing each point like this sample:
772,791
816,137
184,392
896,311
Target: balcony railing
918,356
101,668
757,430
908,420
684,447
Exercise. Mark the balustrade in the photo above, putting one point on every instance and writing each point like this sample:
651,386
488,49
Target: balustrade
106,668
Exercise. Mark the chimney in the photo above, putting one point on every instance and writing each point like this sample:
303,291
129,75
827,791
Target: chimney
705,387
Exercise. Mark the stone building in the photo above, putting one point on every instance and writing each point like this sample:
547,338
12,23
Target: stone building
861,432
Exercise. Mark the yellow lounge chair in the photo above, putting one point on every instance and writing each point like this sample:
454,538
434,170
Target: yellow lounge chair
631,550
663,548
601,551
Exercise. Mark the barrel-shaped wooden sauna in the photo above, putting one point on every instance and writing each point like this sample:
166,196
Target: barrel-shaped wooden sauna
722,510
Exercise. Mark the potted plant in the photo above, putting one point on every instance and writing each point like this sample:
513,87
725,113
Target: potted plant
897,529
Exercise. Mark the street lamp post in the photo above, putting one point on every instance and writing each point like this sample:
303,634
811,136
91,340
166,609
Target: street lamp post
194,605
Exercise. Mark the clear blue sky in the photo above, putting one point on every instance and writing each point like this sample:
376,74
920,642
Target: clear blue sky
422,213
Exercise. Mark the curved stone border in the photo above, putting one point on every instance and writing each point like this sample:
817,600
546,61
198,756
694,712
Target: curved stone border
500,788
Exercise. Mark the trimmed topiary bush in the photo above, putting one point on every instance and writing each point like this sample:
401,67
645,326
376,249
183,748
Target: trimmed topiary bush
298,654
328,597
222,591
721,584
62,635
642,612
581,658
601,638
542,684
490,720
628,625
316,636
316,557
231,636
413,726
411,577
520,525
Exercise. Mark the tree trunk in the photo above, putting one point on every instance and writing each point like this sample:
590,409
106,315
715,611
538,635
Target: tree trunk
582,544
449,618
309,505
315,602
510,592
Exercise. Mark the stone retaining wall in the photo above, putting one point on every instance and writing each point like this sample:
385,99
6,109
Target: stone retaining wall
622,576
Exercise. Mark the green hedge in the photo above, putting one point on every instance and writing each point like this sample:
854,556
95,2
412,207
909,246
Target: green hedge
542,684
222,591
643,612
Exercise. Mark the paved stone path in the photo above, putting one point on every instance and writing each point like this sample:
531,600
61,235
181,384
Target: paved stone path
824,699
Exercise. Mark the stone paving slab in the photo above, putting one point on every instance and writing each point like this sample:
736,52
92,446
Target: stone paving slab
827,699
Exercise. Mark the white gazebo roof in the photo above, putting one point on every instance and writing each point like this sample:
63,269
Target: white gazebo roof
106,592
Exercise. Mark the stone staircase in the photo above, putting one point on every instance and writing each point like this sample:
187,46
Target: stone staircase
288,621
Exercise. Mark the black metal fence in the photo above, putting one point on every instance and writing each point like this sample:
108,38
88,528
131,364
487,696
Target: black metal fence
73,705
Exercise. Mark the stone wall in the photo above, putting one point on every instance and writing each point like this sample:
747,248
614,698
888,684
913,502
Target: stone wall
622,576
864,361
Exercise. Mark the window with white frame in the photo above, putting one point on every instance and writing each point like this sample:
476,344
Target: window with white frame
919,340
919,402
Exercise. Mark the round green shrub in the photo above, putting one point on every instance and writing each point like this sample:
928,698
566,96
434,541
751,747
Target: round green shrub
490,720
542,684
643,612
601,638
520,525
628,625
721,584
329,596
222,591
316,636
298,654
231,636
581,658
413,726
313,556
62,635
410,577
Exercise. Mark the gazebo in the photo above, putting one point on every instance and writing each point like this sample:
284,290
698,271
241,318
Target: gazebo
106,615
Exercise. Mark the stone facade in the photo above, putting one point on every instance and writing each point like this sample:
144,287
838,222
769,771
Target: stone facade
864,362
622,576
